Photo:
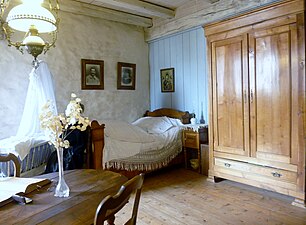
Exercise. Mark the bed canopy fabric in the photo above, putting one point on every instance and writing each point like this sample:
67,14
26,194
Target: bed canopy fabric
40,90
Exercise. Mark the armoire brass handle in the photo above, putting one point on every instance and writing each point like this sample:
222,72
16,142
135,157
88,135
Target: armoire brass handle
276,174
227,165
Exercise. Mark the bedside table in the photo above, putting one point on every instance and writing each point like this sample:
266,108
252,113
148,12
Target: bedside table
193,137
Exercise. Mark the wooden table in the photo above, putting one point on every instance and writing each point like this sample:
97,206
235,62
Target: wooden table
87,189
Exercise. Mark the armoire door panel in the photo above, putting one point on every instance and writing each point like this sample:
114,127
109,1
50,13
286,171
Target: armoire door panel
271,85
296,104
229,102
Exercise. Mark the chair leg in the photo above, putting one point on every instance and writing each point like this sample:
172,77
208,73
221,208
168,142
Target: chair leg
111,220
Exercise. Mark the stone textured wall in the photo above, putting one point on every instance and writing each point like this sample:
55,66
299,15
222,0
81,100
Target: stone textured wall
80,37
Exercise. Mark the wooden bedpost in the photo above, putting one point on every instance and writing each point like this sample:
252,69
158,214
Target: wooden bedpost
95,145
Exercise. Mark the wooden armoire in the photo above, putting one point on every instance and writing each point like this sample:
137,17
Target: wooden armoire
257,98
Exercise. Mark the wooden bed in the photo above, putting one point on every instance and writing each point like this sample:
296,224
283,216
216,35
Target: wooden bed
96,141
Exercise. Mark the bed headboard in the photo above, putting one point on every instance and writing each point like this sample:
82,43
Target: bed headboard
173,113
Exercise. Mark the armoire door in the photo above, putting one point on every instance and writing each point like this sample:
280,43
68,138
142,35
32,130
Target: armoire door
230,103
273,94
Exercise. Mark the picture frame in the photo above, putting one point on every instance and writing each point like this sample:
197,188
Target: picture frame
92,74
126,76
167,80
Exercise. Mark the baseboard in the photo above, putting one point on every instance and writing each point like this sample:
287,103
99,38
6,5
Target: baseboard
299,203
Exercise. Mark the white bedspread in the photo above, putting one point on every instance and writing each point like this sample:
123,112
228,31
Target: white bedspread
20,146
123,140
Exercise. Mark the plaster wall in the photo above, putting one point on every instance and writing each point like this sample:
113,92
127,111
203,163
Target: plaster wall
80,37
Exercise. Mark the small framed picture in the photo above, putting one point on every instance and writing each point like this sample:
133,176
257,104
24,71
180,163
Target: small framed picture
167,80
92,74
126,76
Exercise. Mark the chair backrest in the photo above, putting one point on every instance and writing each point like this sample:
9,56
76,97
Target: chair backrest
16,163
110,205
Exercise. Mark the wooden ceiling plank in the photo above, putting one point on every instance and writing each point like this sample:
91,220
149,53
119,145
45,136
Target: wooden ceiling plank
187,16
80,8
137,7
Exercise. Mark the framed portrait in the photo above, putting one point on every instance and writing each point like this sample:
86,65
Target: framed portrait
167,80
126,76
92,74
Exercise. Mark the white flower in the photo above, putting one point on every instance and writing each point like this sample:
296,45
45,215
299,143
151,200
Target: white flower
59,127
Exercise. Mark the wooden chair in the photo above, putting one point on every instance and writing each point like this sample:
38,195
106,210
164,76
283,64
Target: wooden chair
16,163
110,205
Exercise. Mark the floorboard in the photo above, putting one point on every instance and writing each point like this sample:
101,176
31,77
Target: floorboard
180,196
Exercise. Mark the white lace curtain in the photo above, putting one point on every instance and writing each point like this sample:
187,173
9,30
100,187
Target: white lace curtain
40,90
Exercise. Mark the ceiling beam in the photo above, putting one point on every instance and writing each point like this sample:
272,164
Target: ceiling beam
76,7
137,7
85,9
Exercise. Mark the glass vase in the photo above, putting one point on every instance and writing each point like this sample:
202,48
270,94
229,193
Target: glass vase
62,189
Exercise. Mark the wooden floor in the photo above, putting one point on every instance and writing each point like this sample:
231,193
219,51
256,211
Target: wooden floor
181,196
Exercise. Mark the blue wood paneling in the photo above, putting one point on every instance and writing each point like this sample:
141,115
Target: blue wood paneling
186,71
176,59
193,76
202,77
152,71
186,53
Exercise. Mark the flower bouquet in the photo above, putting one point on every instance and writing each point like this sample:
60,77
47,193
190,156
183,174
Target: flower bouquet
58,128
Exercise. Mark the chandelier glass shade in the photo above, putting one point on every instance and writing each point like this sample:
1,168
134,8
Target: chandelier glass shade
21,17
33,19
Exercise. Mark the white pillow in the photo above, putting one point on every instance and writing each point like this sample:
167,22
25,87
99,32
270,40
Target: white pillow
124,131
175,122
154,125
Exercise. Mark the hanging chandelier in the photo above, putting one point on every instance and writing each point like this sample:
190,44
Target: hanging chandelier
38,25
